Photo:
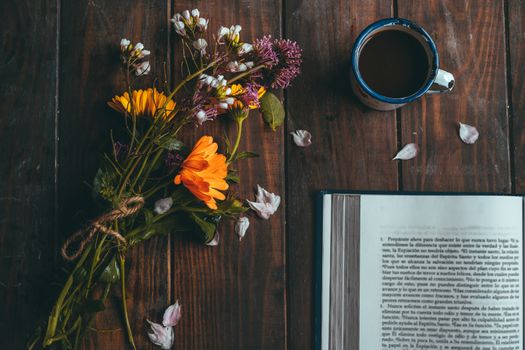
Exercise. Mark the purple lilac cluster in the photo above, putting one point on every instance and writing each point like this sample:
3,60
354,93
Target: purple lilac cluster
250,97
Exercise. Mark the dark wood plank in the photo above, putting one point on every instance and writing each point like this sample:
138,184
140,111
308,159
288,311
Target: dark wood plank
233,295
90,75
516,49
27,165
471,43
352,146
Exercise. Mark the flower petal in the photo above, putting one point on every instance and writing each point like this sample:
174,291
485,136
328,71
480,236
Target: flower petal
172,315
407,152
160,335
302,138
163,205
468,133
241,226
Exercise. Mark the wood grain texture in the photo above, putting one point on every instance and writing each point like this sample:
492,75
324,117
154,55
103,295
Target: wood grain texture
516,52
233,295
471,43
27,165
352,146
90,75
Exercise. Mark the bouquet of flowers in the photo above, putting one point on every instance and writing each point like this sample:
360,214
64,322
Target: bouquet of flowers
152,184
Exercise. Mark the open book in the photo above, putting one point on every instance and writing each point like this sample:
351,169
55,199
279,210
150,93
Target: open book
420,272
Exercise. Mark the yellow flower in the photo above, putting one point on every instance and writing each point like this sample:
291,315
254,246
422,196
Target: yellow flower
204,171
143,102
238,90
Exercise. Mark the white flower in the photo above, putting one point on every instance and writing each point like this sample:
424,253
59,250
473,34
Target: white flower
244,49
201,117
186,14
202,24
215,241
139,46
234,66
124,43
144,53
179,28
223,105
160,335
229,100
241,226
163,205
142,68
172,315
222,32
266,203
195,13
200,44
249,64
302,138
176,18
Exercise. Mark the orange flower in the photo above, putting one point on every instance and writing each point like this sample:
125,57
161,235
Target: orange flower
204,171
143,102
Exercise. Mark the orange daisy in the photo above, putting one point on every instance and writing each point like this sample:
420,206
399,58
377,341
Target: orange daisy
204,171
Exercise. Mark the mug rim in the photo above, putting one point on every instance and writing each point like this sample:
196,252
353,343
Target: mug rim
382,23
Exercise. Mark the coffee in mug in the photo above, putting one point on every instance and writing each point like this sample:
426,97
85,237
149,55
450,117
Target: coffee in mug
394,61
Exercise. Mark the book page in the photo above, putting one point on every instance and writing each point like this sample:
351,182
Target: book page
441,272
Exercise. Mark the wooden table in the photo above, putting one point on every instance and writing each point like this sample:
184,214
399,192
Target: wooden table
59,65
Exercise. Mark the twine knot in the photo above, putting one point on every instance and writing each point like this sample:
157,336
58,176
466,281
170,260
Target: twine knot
126,208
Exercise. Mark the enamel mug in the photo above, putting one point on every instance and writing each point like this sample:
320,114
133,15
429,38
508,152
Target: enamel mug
437,80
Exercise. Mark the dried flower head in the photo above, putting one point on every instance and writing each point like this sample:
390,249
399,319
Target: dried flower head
288,68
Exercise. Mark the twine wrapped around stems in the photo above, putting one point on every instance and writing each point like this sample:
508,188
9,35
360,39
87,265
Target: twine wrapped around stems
127,207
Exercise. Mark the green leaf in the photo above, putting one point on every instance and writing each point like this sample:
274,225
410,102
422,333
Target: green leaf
111,273
272,110
207,228
243,155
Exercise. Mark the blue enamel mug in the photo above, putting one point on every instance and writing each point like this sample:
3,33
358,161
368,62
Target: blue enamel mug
430,79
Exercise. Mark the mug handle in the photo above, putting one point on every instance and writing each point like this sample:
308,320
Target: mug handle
444,82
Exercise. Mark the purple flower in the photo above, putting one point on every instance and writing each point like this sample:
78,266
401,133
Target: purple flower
264,53
250,97
288,68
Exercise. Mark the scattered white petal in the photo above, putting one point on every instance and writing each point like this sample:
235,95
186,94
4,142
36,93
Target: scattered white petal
302,138
160,335
172,315
468,133
215,241
266,203
241,226
163,205
407,152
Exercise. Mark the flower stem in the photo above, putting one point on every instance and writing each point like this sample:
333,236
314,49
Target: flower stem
124,306
248,72
237,140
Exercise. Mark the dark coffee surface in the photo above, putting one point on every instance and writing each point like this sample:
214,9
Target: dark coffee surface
394,63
